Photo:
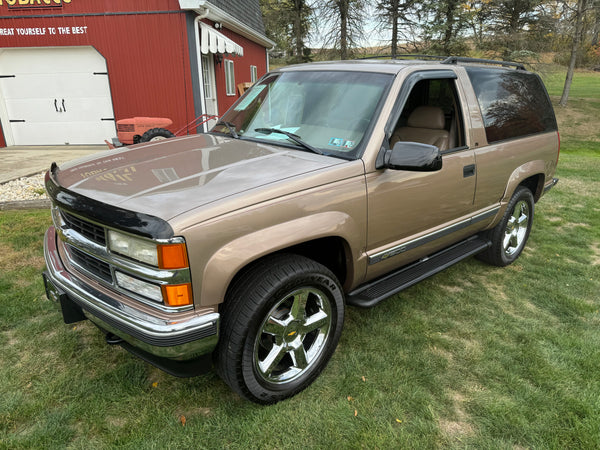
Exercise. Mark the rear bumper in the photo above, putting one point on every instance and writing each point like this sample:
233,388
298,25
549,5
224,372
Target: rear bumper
179,339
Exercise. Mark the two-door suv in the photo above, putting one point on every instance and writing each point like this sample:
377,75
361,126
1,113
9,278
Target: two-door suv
325,185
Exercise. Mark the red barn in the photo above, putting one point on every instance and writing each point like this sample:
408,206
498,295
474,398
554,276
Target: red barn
70,68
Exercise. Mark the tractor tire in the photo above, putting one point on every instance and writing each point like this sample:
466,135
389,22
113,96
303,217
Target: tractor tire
156,134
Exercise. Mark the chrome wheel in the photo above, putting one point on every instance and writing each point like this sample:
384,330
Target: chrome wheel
516,228
293,336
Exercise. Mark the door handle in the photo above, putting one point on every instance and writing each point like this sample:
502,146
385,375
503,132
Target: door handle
469,171
63,104
56,105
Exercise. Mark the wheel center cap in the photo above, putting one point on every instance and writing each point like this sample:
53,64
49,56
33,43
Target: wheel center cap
291,331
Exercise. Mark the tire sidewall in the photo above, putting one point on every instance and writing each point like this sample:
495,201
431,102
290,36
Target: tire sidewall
522,194
156,132
261,389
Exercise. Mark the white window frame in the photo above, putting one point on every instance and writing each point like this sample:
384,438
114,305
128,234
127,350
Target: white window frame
253,74
229,77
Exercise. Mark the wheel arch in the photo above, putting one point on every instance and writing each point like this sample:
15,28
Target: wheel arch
530,175
327,244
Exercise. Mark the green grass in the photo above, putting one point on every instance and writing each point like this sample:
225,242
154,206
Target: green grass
586,84
475,357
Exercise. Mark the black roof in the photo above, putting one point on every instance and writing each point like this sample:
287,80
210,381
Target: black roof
246,11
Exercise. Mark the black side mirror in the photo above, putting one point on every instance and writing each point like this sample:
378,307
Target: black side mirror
413,156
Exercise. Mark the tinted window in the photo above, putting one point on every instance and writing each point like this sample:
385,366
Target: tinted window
513,103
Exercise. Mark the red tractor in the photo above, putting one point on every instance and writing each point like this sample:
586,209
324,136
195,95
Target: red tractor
142,129
146,129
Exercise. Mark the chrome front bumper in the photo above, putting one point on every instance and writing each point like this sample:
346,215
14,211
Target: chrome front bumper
178,339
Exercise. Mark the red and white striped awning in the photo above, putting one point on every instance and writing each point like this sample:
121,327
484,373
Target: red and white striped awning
211,41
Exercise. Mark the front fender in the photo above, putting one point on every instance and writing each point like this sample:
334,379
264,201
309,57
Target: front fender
238,253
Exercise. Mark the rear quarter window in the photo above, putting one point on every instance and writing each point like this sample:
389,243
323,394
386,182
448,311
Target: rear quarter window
513,103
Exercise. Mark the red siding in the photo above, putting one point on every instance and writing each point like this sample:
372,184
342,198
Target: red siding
146,50
254,54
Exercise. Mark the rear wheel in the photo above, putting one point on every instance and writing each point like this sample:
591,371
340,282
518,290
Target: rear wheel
510,235
281,323
156,134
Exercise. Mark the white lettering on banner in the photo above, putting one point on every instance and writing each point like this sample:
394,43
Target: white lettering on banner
43,31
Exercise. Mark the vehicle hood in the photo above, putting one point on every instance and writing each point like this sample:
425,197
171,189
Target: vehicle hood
170,177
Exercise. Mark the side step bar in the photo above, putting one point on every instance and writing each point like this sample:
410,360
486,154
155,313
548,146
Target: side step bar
370,294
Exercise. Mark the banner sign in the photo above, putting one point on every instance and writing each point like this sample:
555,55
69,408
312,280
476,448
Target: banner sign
31,4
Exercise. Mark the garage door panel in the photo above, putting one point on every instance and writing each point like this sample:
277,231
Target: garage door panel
54,96
55,85
86,134
55,110
64,59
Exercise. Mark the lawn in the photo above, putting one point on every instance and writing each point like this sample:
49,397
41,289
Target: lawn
475,356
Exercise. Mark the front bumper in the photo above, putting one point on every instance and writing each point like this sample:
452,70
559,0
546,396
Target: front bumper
178,339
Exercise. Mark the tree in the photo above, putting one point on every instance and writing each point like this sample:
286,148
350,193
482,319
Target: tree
287,23
580,11
443,23
392,14
345,22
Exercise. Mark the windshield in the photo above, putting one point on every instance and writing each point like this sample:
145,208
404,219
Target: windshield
327,112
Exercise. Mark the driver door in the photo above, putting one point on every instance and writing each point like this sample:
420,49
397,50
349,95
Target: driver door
413,214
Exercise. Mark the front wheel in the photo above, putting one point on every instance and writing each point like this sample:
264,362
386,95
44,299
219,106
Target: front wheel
281,323
510,235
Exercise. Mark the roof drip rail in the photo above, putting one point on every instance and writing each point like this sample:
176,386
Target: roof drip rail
461,59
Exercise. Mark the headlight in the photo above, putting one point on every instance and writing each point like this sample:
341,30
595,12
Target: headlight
133,248
164,256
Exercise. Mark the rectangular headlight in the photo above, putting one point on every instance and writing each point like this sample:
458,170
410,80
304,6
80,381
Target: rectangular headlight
133,248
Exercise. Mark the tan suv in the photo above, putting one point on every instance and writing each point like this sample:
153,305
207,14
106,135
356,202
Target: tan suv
325,185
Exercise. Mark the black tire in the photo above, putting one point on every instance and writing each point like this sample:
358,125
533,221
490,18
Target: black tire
280,324
156,134
510,235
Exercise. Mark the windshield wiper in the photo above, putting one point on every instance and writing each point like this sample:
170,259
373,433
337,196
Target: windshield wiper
294,137
230,128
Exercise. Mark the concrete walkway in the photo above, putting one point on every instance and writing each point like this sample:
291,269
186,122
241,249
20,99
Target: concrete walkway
23,161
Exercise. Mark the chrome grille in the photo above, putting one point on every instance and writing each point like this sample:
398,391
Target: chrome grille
93,232
92,265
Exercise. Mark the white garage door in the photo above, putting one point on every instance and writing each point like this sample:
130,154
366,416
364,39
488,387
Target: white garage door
55,96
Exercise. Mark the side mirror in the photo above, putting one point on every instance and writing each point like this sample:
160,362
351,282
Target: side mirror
413,156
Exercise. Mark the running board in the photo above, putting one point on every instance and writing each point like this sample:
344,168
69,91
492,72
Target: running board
370,294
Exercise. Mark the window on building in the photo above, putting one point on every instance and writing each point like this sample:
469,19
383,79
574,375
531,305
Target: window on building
229,77
206,77
253,74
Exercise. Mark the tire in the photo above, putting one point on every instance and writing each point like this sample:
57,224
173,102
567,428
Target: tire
510,235
156,134
281,322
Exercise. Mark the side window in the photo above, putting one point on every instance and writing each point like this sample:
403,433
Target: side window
512,103
229,77
253,74
431,115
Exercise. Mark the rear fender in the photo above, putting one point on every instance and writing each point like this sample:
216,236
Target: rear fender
520,174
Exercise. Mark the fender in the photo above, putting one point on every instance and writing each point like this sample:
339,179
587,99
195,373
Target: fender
235,255
529,169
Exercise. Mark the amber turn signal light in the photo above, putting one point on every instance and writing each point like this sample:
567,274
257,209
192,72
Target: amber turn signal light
172,256
177,294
